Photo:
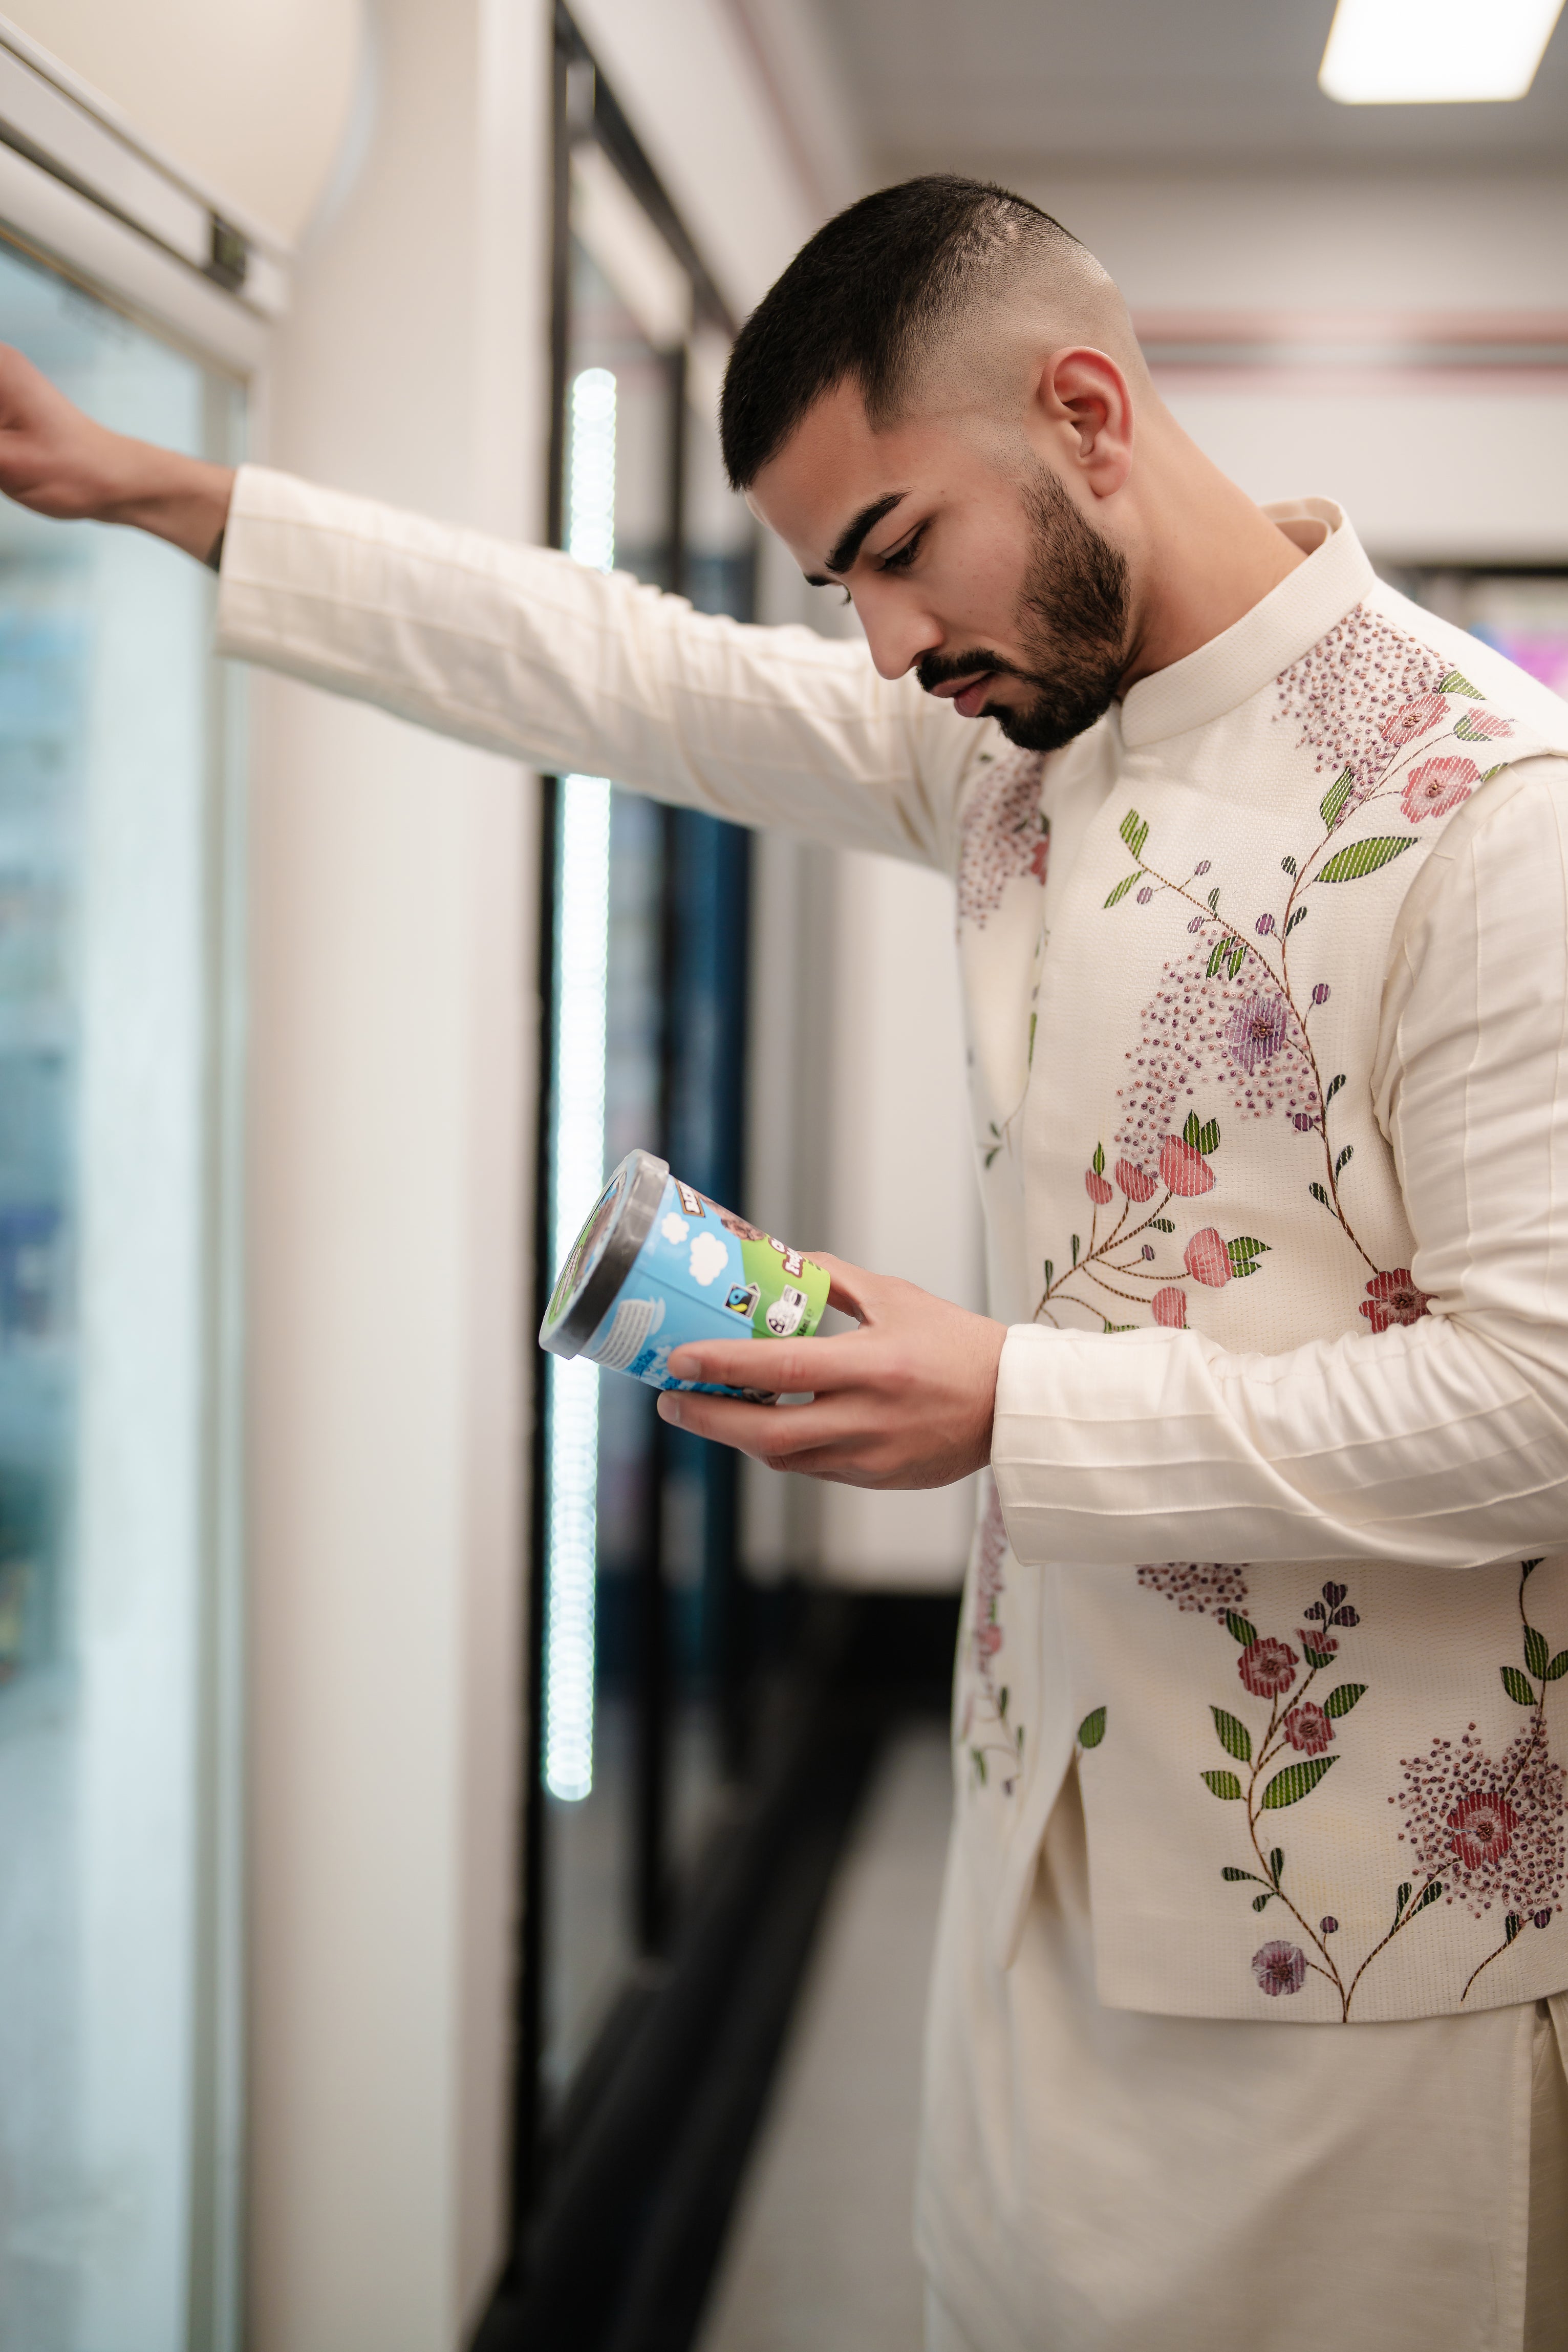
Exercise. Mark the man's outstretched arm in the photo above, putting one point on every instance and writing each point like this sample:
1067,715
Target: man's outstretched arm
518,649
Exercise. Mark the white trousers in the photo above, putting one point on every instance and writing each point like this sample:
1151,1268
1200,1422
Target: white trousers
1104,2180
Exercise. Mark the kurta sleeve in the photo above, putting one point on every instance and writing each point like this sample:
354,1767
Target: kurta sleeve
1442,1442
524,651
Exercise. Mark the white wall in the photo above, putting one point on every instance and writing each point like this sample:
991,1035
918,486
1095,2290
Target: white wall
1429,466
392,1034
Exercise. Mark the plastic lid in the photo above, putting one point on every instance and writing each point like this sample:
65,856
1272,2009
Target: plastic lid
603,1253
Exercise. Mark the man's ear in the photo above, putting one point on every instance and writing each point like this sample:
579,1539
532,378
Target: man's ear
1083,400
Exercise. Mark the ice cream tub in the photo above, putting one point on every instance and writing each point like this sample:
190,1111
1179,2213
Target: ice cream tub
658,1265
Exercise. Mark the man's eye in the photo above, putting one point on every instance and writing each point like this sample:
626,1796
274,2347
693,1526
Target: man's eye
902,557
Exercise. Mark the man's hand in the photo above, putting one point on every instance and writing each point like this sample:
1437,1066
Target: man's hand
59,462
906,1400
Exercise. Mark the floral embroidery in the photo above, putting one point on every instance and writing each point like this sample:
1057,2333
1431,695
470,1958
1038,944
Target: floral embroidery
1279,1967
1005,833
985,1730
1212,1586
1436,786
1393,1298
1495,1831
1366,692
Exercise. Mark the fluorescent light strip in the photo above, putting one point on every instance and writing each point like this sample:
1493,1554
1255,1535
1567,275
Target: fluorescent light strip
576,1158
1435,52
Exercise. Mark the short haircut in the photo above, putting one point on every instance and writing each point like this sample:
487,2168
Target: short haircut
868,298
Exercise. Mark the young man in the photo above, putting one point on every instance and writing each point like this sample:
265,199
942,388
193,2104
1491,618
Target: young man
1244,2030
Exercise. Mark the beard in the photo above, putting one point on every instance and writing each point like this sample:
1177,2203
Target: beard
1073,621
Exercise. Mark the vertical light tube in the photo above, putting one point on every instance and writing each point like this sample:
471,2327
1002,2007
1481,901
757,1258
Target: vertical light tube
577,1153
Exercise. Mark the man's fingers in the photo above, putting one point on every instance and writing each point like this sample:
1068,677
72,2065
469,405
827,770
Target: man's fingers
771,1432
785,1367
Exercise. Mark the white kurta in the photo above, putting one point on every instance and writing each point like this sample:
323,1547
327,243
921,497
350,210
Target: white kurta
1098,2179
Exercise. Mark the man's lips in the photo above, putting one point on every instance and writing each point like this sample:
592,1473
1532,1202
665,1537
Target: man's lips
968,695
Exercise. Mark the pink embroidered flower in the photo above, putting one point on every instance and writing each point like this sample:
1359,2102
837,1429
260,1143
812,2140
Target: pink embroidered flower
1417,717
1279,1967
1207,1260
1170,1309
1183,1170
1099,1191
1393,1298
1039,858
1312,1637
1483,1824
1308,1728
987,1639
1256,1031
1436,786
1136,1185
1268,1666
1483,727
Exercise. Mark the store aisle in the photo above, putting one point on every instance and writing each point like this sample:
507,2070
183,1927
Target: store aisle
819,2256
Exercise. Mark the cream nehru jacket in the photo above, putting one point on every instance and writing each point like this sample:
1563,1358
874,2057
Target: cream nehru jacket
1266,983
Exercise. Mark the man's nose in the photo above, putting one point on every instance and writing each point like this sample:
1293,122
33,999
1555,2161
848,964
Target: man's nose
898,631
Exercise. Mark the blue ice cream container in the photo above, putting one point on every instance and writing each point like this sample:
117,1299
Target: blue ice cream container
658,1263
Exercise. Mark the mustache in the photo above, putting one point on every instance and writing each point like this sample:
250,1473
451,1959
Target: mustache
940,669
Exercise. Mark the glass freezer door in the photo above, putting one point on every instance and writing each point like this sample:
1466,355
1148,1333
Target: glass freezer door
114,2154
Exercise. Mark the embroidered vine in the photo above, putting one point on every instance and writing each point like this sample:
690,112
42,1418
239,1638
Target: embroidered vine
992,1740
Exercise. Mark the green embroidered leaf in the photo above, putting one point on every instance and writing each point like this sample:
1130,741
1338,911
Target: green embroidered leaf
1334,1085
1050,1272
1365,857
1518,1689
1261,1902
1240,1630
1337,795
1559,1667
1427,1895
1209,1136
1228,1870
1120,1327
1018,1737
1299,916
1092,1730
1244,1253
1296,1781
1537,1657
1316,1657
1234,1736
1487,773
1191,1131
1288,865
1238,957
1276,1864
1456,682
1098,1162
1213,900
1319,1194
1400,1900
1123,886
1218,954
1224,1784
1343,1697
1513,1923
1134,832
1343,1162
1033,1026
978,1762
1002,1696
1075,1248
1161,1224
992,1153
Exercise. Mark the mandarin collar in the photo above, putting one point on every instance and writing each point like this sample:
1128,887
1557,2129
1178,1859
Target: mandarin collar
1244,658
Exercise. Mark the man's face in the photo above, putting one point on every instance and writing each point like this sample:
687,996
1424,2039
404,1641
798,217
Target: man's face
981,574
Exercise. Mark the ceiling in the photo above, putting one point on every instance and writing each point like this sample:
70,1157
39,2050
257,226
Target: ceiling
1198,83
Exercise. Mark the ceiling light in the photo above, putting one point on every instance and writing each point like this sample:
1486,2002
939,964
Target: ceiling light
1434,52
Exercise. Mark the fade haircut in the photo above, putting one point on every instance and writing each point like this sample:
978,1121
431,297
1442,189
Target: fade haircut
879,291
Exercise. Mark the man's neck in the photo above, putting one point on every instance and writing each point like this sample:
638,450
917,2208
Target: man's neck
1212,554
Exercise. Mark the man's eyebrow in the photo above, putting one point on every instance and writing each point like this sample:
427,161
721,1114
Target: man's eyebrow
849,545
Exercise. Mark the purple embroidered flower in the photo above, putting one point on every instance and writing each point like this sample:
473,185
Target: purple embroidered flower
1321,992
1170,1309
1279,1967
1197,922
1436,786
1184,1169
1202,866
1268,1666
1308,1728
1328,1924
1393,1298
1541,1918
1302,1122
1263,926
1206,1259
1256,1031
1148,1251
1144,895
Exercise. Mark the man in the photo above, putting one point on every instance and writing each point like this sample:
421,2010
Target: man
1244,2029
